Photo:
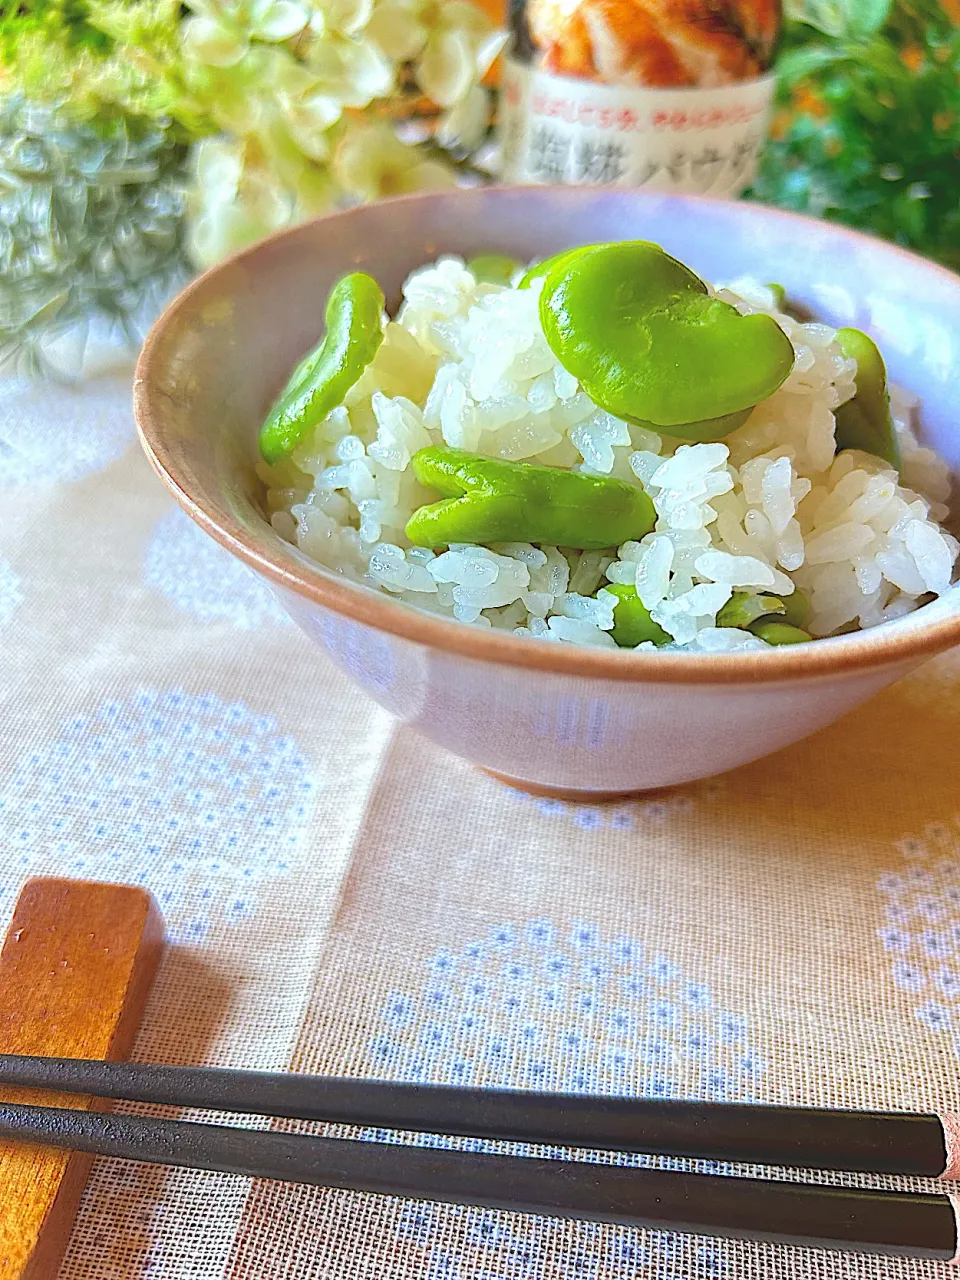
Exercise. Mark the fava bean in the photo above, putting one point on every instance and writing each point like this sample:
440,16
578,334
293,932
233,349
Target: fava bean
864,422
540,269
492,268
744,608
632,624
323,378
796,609
650,345
489,500
778,633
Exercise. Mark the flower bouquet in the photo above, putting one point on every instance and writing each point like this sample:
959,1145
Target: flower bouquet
141,138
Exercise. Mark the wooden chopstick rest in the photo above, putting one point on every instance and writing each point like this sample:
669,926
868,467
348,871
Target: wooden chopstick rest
76,968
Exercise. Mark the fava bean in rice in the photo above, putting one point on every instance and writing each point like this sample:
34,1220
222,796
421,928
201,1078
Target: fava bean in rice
770,508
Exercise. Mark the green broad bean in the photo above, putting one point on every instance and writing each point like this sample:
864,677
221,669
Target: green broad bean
492,268
322,379
650,345
632,624
540,269
745,607
489,500
778,633
865,422
796,609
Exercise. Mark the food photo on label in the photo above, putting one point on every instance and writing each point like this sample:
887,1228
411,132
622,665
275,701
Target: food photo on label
669,96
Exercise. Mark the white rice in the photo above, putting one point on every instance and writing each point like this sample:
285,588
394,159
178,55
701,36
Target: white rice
770,507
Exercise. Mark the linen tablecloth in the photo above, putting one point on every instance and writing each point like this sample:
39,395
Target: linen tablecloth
344,897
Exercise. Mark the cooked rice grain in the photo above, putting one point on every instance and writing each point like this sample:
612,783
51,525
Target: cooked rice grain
772,507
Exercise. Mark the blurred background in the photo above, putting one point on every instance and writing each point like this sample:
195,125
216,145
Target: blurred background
141,140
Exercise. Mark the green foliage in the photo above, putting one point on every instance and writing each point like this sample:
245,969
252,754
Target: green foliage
291,103
66,21
102,58
869,130
857,19
91,223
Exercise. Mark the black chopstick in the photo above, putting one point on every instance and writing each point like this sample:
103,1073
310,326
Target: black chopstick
921,1226
802,1137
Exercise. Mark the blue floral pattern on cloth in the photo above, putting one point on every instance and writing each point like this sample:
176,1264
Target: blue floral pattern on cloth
10,594
921,930
198,577
628,816
533,1006
197,799
493,1248
51,432
529,1007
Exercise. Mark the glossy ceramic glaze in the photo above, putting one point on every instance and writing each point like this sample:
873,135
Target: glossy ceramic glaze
549,716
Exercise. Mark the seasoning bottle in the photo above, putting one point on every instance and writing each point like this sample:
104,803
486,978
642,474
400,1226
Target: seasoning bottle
668,95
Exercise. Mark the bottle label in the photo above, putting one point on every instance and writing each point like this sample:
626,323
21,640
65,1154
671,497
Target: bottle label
609,93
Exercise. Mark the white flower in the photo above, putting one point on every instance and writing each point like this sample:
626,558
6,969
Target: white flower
460,15
446,69
459,51
353,71
276,20
347,16
215,42
248,92
465,124
235,201
308,118
371,161
398,28
305,93
218,166
488,50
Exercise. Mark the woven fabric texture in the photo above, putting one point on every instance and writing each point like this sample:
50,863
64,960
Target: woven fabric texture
342,897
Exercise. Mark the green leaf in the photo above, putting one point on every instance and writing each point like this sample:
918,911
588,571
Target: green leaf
828,16
842,19
888,131
798,64
867,17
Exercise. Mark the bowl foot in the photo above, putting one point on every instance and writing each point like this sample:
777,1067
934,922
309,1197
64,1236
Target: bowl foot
575,794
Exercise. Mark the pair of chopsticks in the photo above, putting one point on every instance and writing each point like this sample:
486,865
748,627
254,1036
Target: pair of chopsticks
829,1217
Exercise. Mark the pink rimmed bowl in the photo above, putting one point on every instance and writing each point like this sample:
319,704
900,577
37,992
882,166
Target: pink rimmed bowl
552,718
